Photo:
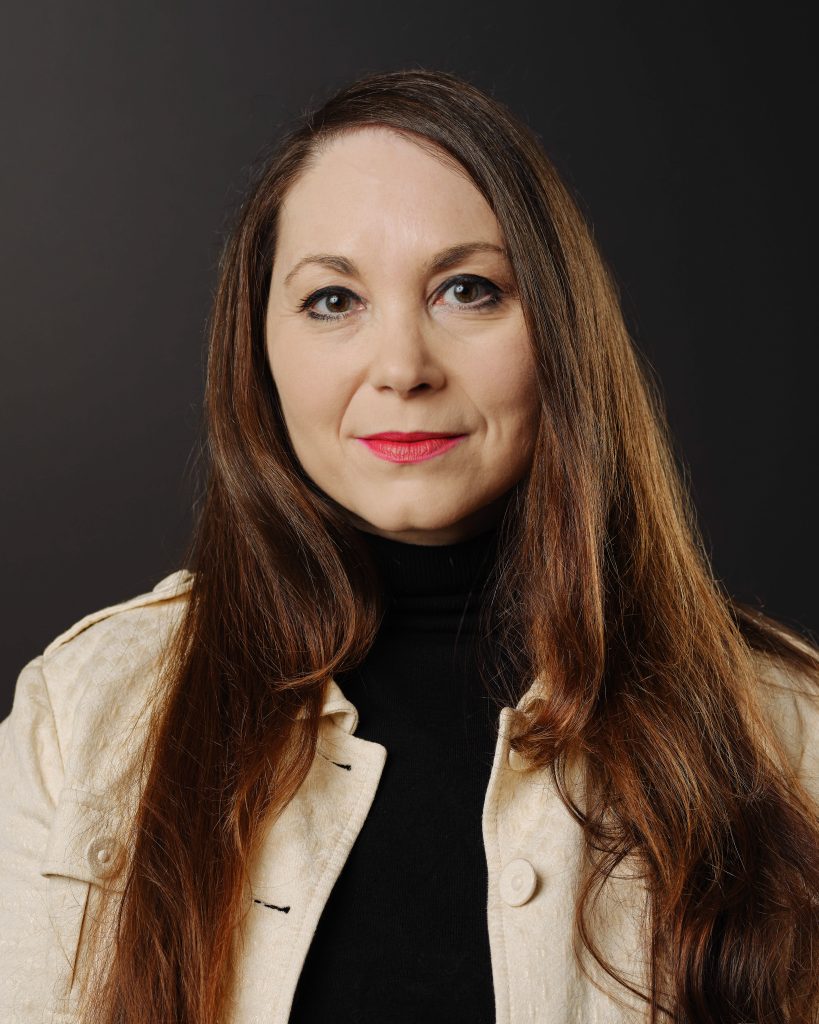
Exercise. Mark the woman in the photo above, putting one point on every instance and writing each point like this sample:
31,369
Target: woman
458,727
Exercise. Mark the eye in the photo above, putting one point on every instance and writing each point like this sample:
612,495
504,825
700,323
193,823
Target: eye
338,303
469,290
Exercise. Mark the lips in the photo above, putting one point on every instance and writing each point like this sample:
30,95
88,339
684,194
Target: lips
416,446
397,435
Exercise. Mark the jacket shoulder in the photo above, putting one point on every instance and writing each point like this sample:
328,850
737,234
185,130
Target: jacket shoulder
101,671
790,697
176,583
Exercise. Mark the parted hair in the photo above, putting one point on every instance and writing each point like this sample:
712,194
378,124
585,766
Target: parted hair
602,588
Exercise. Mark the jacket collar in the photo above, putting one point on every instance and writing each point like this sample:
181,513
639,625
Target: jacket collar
342,711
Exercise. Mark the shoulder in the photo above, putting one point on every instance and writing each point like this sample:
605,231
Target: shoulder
116,618
790,699
99,672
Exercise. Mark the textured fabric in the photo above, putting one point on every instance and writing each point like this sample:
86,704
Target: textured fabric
75,725
405,926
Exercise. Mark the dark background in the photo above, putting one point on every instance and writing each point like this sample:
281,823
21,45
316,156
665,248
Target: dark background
128,134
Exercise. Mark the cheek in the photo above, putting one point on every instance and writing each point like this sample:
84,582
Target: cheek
307,394
507,384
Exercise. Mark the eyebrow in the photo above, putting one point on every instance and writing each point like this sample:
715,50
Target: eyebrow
440,261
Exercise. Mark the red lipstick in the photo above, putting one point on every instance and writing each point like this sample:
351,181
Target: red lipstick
415,446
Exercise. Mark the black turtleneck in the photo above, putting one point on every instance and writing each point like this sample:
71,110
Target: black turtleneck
403,937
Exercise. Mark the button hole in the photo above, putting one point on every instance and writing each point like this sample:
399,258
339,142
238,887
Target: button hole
272,906
346,767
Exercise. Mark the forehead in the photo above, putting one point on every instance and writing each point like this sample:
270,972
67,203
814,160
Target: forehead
372,185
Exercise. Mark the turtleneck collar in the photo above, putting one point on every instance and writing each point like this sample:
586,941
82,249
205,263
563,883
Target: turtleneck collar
436,588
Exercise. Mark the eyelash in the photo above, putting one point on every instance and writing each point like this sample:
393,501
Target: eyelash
496,296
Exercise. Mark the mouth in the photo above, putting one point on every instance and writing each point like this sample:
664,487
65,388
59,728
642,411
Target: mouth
416,446
413,435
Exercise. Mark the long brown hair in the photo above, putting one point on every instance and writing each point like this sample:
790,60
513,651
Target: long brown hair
603,589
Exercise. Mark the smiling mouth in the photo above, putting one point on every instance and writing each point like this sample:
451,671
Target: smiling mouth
409,435
425,447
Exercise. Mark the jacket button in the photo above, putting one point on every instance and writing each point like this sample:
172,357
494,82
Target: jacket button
518,881
99,856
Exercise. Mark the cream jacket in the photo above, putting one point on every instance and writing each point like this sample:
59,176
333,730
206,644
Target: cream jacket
74,721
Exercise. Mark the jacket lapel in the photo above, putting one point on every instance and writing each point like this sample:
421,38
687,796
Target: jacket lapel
299,862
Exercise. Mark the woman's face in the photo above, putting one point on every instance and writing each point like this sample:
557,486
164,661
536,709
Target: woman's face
392,309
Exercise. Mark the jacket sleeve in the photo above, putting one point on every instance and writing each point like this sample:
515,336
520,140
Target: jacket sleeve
69,731
31,775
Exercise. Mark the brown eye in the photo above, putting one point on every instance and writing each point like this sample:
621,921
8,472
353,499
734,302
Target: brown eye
466,291
474,293
337,304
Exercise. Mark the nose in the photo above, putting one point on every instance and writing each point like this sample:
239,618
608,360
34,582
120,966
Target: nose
403,357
